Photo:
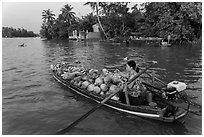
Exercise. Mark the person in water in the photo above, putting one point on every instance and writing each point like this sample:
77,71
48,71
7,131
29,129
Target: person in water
135,89
22,45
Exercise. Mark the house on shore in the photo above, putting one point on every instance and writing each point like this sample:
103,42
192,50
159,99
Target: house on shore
85,35
96,34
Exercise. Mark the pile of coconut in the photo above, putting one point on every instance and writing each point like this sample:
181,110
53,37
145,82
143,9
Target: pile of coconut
102,83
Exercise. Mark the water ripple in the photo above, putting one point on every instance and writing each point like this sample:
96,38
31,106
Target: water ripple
33,103
10,69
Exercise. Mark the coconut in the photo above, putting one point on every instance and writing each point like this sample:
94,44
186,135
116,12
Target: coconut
115,98
98,81
115,80
107,93
52,67
67,76
75,69
102,93
91,87
66,70
84,77
69,68
85,84
95,75
72,81
90,80
75,83
79,83
121,85
77,78
112,88
116,71
104,87
91,71
105,72
59,72
107,79
97,90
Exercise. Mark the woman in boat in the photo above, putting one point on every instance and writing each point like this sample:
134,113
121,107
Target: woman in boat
136,91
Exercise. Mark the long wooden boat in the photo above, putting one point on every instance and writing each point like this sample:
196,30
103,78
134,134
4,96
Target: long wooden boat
158,112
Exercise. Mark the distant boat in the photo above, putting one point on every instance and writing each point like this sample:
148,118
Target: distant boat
116,41
165,44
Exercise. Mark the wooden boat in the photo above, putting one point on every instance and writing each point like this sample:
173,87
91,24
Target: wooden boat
157,112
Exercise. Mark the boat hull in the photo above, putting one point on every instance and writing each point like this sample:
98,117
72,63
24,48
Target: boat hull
142,111
165,45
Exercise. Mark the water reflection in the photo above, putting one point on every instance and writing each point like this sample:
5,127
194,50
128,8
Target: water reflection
32,99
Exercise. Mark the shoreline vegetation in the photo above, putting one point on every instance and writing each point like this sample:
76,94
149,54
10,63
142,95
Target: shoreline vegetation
150,21
181,21
10,32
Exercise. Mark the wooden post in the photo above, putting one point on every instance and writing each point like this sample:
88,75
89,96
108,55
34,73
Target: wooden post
169,38
153,77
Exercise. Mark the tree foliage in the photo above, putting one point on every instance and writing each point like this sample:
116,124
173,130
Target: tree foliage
59,27
181,20
19,32
96,7
48,20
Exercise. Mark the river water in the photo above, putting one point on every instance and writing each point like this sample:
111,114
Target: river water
33,103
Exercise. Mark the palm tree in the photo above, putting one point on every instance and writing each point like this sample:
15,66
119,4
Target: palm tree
66,18
95,6
48,21
67,15
48,16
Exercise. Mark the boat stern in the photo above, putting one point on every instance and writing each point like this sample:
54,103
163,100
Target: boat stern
179,114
